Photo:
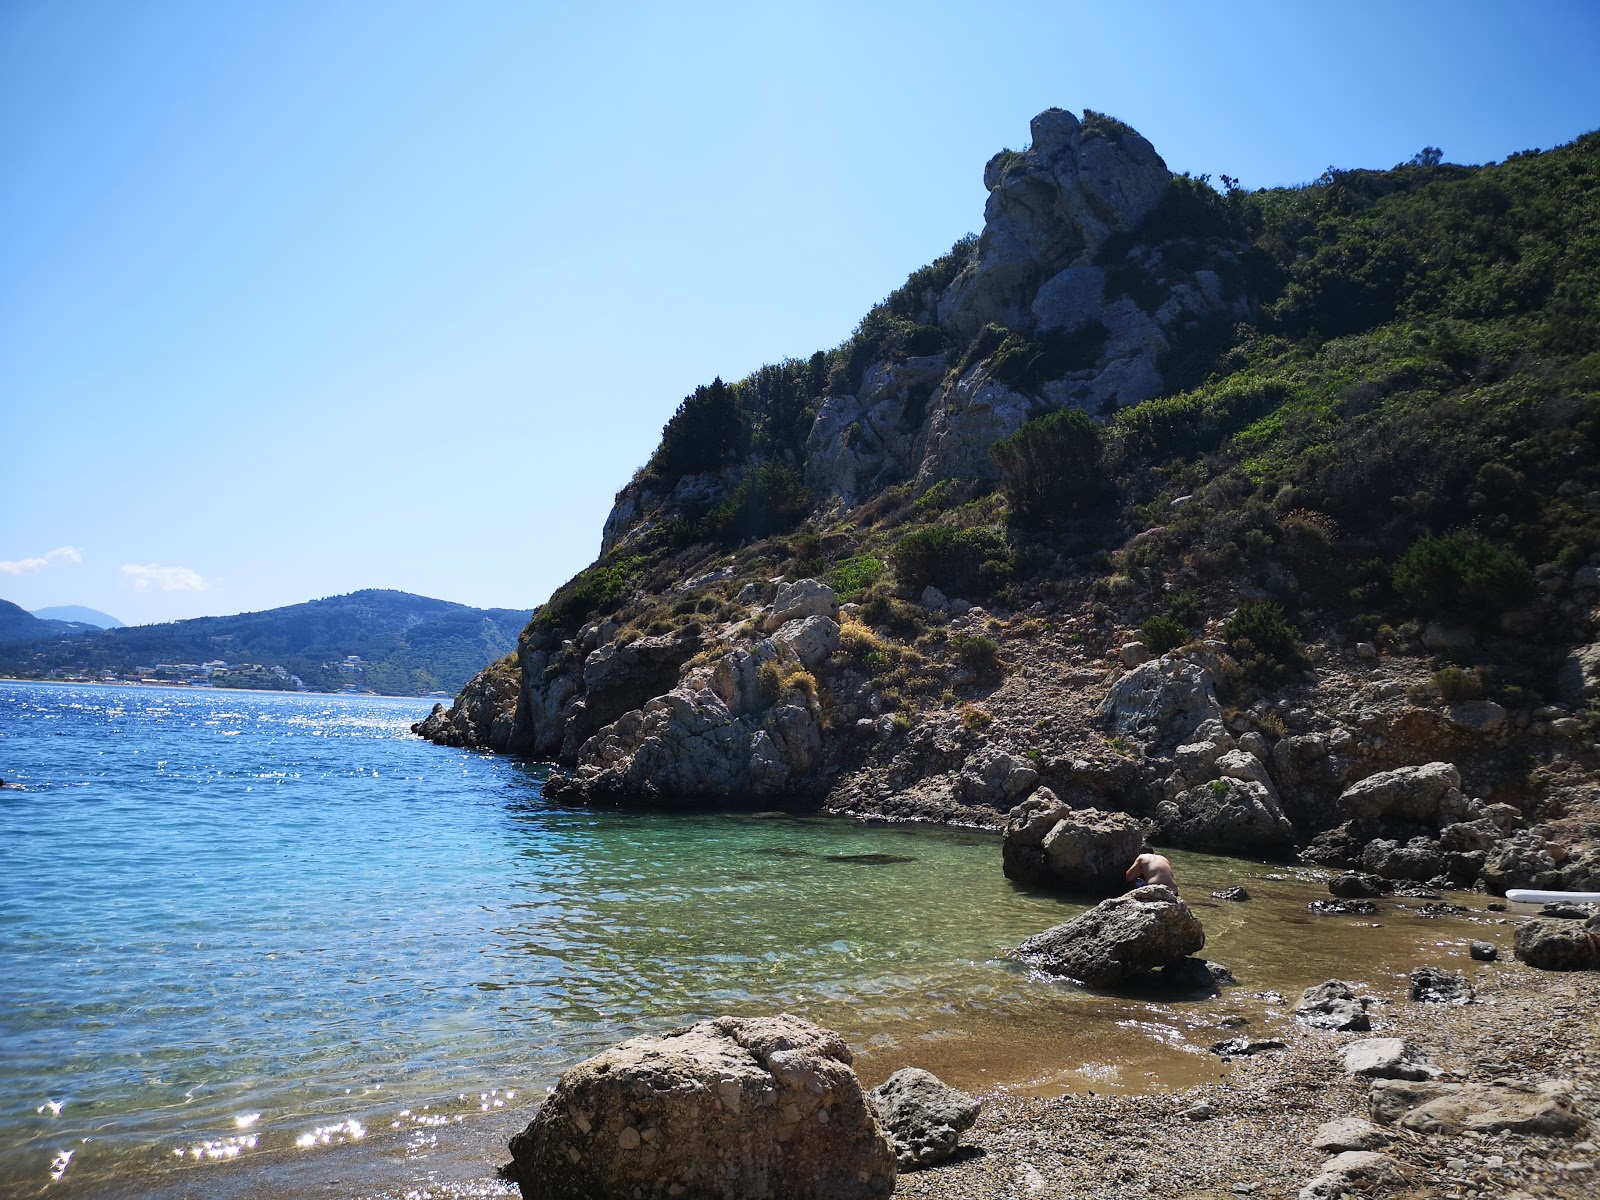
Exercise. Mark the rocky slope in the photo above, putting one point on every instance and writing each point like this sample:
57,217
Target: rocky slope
1285,550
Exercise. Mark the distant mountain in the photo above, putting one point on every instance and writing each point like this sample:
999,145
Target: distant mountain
17,624
388,642
78,614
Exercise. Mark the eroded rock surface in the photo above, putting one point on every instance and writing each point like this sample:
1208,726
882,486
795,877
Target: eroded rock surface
1083,851
924,1116
1119,939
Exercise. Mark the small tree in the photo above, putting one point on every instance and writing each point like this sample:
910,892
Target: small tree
1051,466
1462,575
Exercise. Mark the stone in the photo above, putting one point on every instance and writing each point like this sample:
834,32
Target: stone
762,1107
1237,895
1069,299
1430,794
1333,1005
1418,860
813,640
1158,706
1119,939
801,599
1556,944
1239,816
1343,908
1522,860
1578,678
1434,985
924,1116
1366,650
1196,977
1350,1133
1468,836
934,600
1476,716
1083,851
1355,1171
1244,1047
1503,1106
1134,654
992,778
1482,951
1355,885
1386,1058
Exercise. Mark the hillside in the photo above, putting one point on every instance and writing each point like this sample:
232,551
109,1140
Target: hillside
407,645
1199,504
79,614
17,624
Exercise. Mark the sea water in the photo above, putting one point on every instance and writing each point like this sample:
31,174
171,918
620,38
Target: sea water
236,925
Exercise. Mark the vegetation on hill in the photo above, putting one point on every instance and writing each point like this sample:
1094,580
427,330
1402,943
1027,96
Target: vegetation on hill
407,645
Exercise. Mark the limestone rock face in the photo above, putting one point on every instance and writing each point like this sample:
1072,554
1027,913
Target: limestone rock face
1230,814
1083,851
766,1108
1160,705
924,1116
617,678
1429,794
862,443
1118,939
1452,1108
995,779
811,639
973,415
484,714
1065,195
801,599
1579,677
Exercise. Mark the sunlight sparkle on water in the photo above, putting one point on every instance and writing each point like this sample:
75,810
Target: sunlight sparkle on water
332,1135
221,1149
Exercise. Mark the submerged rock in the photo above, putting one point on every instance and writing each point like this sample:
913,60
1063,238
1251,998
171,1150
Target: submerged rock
766,1108
1119,939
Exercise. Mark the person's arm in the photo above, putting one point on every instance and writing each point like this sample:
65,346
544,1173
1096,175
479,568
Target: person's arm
1134,871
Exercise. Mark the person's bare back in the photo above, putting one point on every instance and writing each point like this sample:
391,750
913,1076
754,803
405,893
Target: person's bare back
1151,867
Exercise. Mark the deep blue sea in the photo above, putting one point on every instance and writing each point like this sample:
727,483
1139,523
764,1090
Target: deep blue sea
241,927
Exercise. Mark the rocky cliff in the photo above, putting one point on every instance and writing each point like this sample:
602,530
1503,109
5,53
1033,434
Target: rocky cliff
1201,506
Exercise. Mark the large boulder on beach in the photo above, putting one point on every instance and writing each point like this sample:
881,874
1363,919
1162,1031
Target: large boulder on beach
1234,815
1118,939
1355,1172
925,1116
762,1108
1333,1005
1555,944
1428,795
1080,850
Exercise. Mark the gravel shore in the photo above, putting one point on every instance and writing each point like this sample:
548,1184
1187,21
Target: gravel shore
1251,1135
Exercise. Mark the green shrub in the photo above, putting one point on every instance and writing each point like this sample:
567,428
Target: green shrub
1027,363
770,498
953,559
978,654
1456,684
1462,575
1160,634
852,577
590,590
701,433
1265,644
1051,466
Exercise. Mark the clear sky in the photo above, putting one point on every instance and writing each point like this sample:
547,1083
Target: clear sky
304,296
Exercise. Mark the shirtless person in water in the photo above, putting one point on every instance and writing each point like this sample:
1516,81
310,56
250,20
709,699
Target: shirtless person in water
1151,867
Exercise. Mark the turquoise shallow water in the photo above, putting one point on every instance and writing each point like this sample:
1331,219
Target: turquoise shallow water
258,928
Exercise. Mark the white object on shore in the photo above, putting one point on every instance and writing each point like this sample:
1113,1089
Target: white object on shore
1534,896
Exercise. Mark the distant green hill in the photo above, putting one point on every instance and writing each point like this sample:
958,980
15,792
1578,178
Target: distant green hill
17,624
405,644
78,614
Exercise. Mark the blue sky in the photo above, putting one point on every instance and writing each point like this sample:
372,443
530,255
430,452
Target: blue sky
303,297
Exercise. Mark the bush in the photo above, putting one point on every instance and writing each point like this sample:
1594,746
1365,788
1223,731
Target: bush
701,433
1160,634
1027,363
953,559
1051,466
590,590
853,577
770,498
978,654
1266,645
1456,684
1462,575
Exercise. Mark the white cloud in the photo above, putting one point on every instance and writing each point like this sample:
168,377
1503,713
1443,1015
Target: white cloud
168,579
26,566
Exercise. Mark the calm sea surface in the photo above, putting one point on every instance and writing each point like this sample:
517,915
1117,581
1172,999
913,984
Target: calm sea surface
238,925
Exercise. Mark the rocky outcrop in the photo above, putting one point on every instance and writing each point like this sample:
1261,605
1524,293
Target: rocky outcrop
765,1108
1118,940
994,778
924,1116
1159,706
1504,1106
1559,945
1081,851
1048,207
1239,816
1429,794
484,714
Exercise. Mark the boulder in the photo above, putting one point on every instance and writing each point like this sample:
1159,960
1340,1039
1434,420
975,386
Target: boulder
1227,814
1350,1133
1554,944
973,413
1353,885
1237,895
924,1116
1433,985
618,678
1503,1106
1118,939
1578,679
766,1108
1355,1172
1084,851
1468,836
1333,1005
1158,706
801,599
1196,977
1522,860
1418,860
1386,1058
995,779
1476,716
812,639
1429,794
1483,951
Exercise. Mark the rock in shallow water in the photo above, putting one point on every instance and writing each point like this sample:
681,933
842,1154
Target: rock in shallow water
1118,939
925,1116
765,1108
1333,1005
